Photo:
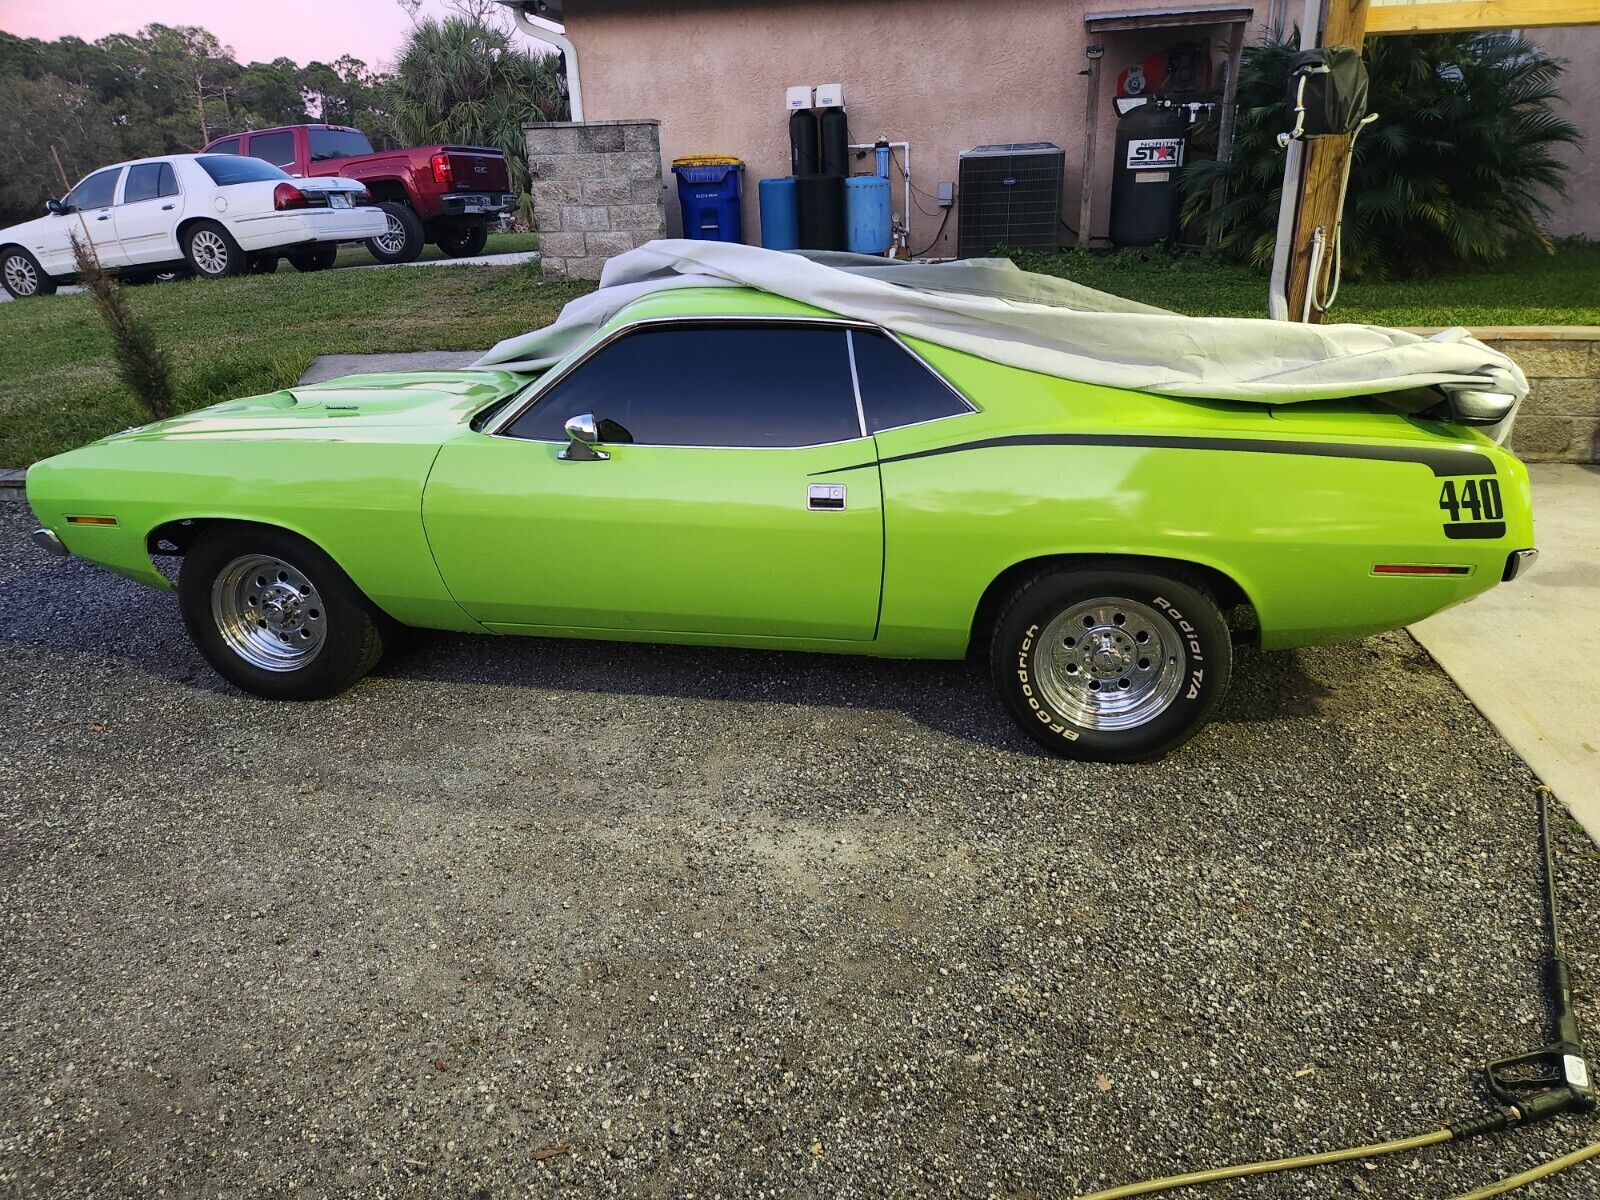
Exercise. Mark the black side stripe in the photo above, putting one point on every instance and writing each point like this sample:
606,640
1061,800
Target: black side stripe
1439,460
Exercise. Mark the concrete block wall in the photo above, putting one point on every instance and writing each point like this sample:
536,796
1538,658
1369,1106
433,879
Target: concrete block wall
1560,419
596,189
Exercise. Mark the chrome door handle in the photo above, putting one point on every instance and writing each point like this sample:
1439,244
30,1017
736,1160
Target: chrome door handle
166,208
825,497
102,218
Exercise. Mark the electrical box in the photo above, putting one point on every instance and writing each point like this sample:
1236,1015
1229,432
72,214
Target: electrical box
947,193
799,97
830,95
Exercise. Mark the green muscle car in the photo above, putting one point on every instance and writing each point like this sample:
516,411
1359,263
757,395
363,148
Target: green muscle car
722,466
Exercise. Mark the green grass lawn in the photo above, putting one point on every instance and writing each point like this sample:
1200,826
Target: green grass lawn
242,336
1536,289
238,337
499,243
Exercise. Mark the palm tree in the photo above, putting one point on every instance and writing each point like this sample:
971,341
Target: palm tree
460,81
1458,169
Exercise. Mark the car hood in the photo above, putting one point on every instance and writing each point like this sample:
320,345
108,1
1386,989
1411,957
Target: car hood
400,406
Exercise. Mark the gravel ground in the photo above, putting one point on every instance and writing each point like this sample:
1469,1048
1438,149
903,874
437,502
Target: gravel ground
739,924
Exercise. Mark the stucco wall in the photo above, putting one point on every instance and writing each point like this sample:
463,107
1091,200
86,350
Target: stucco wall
944,76
1578,215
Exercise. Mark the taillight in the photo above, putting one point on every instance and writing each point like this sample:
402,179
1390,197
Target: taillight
443,172
286,195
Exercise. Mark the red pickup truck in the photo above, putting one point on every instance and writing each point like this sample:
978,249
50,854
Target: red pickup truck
447,195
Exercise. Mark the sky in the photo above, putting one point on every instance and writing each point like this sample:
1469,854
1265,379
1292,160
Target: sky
304,30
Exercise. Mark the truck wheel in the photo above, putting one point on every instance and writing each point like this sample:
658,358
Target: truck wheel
212,252
319,259
276,616
402,241
22,275
463,239
1110,665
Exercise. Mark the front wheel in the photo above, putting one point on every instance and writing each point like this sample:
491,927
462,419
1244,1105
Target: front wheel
22,275
276,616
1110,665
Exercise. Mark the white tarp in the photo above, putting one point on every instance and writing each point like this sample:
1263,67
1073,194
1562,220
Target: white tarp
990,308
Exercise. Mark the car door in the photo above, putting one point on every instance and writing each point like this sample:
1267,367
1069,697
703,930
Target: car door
91,203
147,219
738,497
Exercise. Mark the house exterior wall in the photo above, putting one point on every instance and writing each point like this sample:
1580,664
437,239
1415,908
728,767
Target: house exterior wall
945,77
1578,215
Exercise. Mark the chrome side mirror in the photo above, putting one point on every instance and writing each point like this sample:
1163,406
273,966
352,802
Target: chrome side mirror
585,434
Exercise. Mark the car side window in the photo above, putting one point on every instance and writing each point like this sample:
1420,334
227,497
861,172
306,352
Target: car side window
896,389
752,385
225,146
144,182
96,191
275,148
168,184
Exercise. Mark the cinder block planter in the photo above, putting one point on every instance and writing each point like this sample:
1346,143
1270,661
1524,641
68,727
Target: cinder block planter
1560,419
596,189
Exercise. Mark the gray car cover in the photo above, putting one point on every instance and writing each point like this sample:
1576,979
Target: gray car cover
990,308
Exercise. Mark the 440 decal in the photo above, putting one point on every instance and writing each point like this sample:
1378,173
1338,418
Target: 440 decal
1475,508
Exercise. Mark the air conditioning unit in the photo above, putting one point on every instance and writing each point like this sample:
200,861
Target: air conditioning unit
1010,196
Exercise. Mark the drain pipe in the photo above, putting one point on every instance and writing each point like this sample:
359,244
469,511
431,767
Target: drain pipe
555,35
1289,205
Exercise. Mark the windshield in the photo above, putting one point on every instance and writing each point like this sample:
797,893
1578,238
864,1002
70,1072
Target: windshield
338,143
225,169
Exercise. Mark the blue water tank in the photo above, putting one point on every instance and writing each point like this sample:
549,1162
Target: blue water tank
780,214
868,219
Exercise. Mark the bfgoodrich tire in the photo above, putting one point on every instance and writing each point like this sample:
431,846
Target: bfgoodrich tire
276,616
1110,665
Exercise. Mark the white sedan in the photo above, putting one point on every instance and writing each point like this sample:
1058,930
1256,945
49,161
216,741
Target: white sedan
213,214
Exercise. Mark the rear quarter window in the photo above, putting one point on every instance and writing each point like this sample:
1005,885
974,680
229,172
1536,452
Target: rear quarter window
896,389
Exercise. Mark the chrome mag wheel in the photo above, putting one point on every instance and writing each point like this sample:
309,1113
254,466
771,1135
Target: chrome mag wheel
210,251
268,613
20,275
393,239
1110,663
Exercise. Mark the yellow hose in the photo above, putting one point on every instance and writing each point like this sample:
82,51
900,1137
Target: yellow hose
1544,1170
1216,1175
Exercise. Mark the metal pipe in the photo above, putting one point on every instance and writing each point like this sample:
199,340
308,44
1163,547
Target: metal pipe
1289,205
555,35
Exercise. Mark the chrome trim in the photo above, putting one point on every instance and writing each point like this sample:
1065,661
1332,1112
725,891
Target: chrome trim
47,540
855,379
1518,564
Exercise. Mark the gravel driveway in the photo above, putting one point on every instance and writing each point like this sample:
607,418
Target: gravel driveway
521,918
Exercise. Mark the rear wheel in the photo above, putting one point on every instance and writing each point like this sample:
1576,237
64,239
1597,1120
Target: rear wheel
463,239
1110,665
264,264
319,259
212,252
276,616
22,275
402,241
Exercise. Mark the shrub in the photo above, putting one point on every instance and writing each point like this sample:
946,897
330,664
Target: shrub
142,364
1456,170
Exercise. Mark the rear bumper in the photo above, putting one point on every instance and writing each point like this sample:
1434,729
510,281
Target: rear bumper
472,204
307,227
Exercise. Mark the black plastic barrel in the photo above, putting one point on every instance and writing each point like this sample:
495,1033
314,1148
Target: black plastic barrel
804,154
1144,188
821,200
835,132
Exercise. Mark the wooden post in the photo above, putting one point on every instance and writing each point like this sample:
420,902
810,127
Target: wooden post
1230,96
1091,134
1344,24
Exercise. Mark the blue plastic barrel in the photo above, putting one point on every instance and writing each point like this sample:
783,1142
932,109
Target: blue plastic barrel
868,223
780,213
709,197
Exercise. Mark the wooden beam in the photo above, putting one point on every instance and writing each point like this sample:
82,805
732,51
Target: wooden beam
1453,16
1344,24
1230,97
1091,134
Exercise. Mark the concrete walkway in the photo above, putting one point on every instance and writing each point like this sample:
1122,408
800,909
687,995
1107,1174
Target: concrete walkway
1528,653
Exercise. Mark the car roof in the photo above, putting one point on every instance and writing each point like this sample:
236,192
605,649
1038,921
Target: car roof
714,302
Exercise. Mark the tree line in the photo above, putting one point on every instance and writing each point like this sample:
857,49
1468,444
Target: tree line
170,89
